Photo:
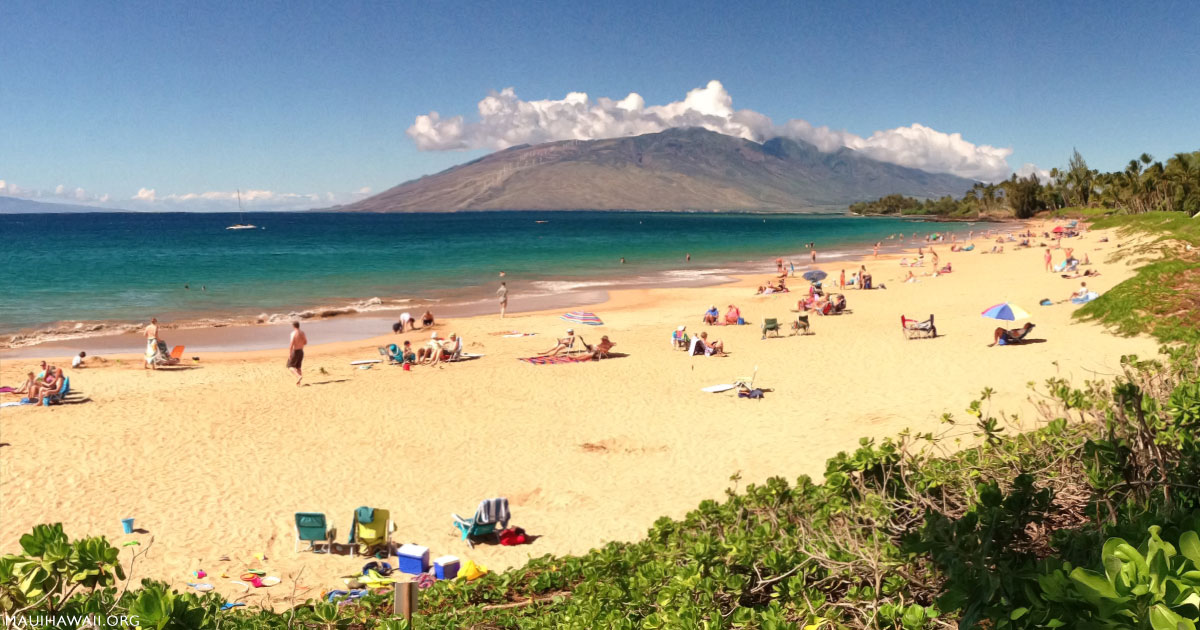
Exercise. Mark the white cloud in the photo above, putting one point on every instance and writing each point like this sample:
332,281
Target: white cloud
211,201
1029,168
505,120
251,200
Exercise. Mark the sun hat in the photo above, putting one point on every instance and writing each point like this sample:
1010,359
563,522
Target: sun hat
433,335
681,328
570,330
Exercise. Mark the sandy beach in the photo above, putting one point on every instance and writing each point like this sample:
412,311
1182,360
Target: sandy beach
213,458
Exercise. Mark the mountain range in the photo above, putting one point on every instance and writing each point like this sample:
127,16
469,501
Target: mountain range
676,169
16,205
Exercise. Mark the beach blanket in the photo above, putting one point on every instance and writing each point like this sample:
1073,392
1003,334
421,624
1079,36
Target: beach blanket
518,334
548,360
6,390
17,403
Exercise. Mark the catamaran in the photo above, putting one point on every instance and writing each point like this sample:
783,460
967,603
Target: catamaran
241,224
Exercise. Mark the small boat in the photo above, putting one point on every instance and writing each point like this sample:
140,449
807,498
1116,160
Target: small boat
241,224
541,221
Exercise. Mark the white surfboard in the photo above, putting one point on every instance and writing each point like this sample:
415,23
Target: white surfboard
366,361
716,389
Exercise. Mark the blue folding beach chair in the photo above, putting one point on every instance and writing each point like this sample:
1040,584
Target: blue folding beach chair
491,512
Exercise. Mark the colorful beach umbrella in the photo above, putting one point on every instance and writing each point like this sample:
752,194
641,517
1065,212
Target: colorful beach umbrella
815,275
1006,311
583,317
1059,230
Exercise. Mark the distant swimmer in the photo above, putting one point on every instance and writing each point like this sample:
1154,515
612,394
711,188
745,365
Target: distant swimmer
622,260
814,255
203,288
186,287
688,258
501,274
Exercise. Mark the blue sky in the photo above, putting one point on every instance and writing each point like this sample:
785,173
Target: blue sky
193,100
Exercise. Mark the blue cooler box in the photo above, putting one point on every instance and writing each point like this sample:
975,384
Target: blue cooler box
412,559
445,567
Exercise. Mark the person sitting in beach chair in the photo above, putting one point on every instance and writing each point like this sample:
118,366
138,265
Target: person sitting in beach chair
914,329
432,351
838,302
733,316
1011,337
801,325
598,351
679,338
711,315
563,344
49,383
452,348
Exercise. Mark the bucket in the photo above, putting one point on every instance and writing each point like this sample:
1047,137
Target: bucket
127,525
407,367
741,322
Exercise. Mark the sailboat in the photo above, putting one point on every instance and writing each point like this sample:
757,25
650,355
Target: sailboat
241,224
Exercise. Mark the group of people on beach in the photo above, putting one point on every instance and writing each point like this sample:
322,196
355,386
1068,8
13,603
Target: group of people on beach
46,383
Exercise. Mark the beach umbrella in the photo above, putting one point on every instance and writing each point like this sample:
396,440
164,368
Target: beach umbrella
583,317
1059,230
816,275
1006,311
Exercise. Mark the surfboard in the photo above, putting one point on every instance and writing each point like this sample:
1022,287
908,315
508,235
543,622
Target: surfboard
716,389
366,361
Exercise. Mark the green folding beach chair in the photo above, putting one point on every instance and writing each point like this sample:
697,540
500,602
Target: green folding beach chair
770,325
311,527
490,514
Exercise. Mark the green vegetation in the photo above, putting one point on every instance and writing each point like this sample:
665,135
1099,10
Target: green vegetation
1007,533
1163,297
1145,185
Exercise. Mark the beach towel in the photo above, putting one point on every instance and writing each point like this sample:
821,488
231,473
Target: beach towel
549,360
1091,295
363,514
492,511
519,334
513,536
17,403
7,390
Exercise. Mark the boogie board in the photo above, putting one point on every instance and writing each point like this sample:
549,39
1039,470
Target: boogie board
716,389
366,361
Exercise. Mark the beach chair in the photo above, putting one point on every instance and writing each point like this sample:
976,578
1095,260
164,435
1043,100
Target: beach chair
455,355
372,527
162,357
57,397
801,324
770,324
1010,338
914,329
489,514
311,527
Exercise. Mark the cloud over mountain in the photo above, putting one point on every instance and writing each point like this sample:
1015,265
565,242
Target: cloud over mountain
506,120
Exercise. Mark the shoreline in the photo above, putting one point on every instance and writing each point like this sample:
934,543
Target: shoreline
201,330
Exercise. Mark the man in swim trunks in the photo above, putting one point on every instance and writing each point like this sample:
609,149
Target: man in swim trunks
427,319
151,335
296,352
503,293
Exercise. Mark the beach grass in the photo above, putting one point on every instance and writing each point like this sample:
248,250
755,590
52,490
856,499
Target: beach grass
1163,297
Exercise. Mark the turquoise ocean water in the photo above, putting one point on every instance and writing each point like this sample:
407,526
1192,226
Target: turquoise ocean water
123,267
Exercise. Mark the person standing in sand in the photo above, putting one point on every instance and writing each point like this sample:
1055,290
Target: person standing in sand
842,281
503,293
296,352
1048,258
151,335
